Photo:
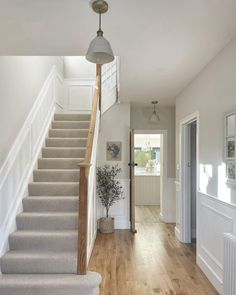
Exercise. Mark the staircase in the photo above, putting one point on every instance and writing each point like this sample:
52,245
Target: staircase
42,258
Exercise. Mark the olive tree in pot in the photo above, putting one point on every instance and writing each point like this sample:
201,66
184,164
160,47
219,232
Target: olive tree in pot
110,191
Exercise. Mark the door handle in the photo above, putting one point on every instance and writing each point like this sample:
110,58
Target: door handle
132,165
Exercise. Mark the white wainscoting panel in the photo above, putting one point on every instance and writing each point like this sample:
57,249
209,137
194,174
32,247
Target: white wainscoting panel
121,210
168,206
214,219
147,190
59,92
18,166
79,94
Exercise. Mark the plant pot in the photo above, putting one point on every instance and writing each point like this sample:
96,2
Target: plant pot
106,225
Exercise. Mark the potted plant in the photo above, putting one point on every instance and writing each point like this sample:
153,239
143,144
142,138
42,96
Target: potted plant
110,191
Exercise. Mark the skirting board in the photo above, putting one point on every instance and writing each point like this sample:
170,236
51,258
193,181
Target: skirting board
177,233
119,224
122,224
210,274
166,220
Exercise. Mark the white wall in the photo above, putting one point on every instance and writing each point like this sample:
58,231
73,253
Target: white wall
211,94
140,121
115,126
77,67
21,78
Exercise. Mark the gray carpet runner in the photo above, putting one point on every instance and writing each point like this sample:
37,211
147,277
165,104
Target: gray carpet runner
42,256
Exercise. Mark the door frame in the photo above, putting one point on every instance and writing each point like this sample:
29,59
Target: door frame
164,190
184,199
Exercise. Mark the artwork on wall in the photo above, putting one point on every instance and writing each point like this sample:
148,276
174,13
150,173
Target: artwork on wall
230,138
113,151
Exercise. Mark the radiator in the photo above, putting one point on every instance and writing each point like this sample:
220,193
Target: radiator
229,280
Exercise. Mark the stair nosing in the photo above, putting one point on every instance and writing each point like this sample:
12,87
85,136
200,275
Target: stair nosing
61,121
54,183
62,147
77,129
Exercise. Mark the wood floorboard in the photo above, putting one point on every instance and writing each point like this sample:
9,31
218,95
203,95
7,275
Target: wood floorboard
151,262
147,214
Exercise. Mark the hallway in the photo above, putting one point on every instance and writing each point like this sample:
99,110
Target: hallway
150,262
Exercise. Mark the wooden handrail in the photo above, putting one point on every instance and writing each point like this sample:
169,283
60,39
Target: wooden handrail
83,185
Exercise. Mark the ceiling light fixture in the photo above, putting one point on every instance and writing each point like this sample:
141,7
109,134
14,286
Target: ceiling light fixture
99,51
154,117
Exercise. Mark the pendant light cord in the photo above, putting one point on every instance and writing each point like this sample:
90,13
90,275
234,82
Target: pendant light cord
100,32
100,21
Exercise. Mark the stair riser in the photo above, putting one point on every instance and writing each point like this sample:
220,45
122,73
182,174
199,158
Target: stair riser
68,142
59,163
56,176
45,284
40,265
50,205
68,133
63,153
46,223
70,125
53,189
44,290
44,243
72,117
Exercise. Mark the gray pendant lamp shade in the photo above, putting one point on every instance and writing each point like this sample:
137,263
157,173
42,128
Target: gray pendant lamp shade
154,117
99,51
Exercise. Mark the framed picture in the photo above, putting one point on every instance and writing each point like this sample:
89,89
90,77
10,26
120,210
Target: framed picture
230,166
113,150
230,148
230,141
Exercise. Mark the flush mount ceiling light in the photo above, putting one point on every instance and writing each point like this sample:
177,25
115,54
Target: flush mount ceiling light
99,51
154,117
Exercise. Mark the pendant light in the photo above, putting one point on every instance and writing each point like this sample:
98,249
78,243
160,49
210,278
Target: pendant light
154,117
99,51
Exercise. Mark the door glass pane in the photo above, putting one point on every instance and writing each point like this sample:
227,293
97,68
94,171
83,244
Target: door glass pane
230,148
230,170
230,125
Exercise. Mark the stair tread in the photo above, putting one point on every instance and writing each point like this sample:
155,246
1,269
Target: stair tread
47,213
64,129
30,254
53,183
64,148
57,170
62,159
43,233
68,138
47,280
72,121
52,197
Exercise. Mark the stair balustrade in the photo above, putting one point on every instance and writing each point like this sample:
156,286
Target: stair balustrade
87,178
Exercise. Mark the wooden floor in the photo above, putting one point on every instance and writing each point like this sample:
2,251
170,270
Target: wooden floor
147,214
149,262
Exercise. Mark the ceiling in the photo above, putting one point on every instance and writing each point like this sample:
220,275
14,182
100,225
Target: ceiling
163,44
